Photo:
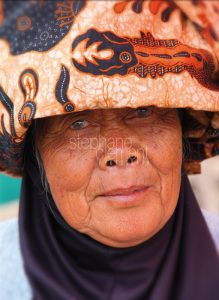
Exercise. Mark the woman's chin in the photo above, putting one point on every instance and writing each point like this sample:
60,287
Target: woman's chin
129,226
119,240
126,233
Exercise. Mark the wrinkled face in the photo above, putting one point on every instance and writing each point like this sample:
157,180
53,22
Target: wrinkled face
114,173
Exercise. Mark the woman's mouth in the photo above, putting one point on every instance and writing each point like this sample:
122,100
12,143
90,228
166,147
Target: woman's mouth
125,196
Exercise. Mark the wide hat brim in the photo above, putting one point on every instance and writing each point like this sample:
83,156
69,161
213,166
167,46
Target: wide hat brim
58,57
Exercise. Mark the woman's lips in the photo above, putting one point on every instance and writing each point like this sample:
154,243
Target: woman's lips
126,197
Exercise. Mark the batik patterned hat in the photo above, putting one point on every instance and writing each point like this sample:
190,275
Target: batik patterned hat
58,57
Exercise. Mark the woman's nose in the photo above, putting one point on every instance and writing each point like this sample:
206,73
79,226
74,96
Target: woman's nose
120,157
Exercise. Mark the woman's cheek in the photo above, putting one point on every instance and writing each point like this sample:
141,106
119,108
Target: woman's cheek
164,148
69,184
164,154
69,166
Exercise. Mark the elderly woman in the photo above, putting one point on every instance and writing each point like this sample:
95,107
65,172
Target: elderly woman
105,108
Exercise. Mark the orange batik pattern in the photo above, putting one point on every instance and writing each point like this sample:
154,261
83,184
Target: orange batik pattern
62,56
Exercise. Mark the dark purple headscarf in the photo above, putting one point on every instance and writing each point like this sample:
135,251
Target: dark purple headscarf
178,263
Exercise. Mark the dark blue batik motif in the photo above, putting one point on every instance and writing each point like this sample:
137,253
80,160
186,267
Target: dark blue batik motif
61,90
123,53
10,145
37,25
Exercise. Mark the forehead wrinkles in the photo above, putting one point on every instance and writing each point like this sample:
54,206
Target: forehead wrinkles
109,115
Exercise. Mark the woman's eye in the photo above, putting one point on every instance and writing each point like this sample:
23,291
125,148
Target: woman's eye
144,112
79,124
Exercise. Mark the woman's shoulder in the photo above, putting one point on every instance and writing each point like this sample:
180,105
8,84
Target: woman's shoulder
212,220
13,281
